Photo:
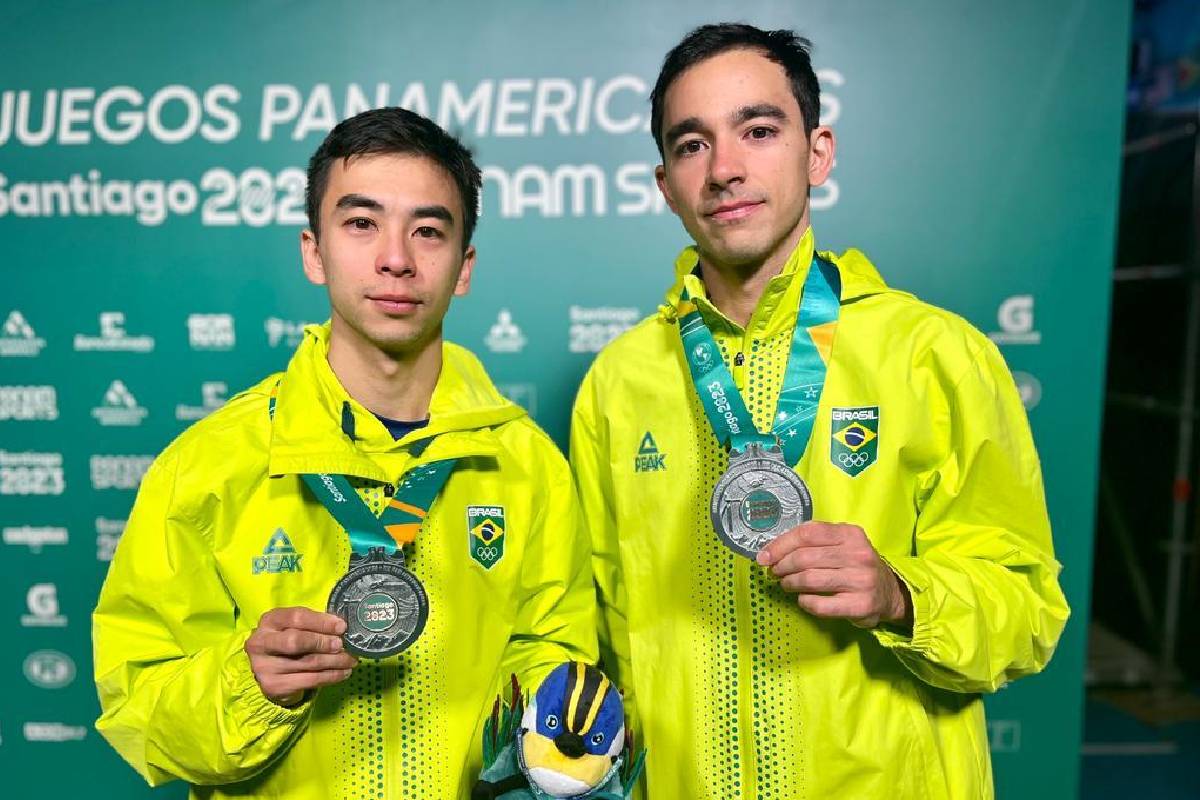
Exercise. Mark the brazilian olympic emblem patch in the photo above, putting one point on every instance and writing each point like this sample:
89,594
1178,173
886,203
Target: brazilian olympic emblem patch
485,534
854,439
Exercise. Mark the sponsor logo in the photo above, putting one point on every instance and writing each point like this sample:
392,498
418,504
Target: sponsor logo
42,601
702,355
118,472
35,538
211,331
505,336
854,438
49,669
119,407
108,534
31,473
1030,389
284,332
212,394
648,458
1004,735
113,337
28,402
278,556
592,328
17,337
1016,322
523,394
53,732
485,540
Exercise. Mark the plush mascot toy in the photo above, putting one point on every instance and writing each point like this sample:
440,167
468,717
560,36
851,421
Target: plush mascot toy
570,742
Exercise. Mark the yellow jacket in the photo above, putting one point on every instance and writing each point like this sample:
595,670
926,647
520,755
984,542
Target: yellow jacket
735,691
194,572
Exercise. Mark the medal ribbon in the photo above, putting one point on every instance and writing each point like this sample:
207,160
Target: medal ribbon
803,379
402,516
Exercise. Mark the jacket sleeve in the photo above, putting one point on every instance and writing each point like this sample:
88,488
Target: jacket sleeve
177,695
987,607
589,462
556,616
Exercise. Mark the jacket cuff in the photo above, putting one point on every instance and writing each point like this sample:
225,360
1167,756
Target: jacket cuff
249,707
922,640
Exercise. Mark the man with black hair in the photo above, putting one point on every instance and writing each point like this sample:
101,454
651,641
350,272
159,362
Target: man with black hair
817,515
381,477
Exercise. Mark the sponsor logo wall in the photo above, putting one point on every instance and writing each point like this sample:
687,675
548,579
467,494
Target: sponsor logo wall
151,203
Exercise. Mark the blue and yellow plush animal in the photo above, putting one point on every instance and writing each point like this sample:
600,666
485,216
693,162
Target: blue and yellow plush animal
570,741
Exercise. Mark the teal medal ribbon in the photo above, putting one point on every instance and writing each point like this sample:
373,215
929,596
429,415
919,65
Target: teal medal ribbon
803,379
760,495
384,604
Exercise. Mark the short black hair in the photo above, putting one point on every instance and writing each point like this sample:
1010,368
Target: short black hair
784,47
394,130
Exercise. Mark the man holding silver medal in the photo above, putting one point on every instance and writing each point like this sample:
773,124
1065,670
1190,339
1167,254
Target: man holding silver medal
817,515
323,586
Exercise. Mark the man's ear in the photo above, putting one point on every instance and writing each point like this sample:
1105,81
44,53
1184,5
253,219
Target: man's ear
310,256
660,177
822,146
463,284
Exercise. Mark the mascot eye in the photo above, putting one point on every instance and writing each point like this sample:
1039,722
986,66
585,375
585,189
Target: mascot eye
598,738
551,722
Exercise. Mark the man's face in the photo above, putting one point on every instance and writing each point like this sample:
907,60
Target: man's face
737,163
390,250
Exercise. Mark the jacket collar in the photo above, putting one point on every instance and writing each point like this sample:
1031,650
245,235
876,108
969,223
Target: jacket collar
318,427
777,308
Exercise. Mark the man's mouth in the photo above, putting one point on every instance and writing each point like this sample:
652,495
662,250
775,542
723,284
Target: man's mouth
737,210
394,303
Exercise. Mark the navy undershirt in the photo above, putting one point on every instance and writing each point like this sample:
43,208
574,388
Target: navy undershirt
401,428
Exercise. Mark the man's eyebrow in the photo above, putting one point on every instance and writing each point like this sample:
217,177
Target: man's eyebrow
433,211
747,113
358,201
689,125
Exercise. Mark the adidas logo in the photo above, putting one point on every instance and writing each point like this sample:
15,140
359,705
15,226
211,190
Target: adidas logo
648,458
278,556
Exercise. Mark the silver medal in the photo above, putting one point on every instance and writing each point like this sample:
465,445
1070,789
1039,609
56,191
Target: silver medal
384,605
758,498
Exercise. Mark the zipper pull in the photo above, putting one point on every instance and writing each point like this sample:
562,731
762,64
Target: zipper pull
739,359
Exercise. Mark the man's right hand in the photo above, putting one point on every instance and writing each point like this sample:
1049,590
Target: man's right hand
294,650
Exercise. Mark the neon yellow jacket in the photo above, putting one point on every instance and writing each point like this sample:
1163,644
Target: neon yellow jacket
189,582
735,691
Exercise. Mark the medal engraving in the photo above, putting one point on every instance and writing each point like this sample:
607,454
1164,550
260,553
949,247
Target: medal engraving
758,498
384,605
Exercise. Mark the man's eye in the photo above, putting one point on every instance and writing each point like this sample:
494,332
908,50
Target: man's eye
428,232
761,132
689,147
360,223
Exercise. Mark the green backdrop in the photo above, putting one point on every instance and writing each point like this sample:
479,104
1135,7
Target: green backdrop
150,208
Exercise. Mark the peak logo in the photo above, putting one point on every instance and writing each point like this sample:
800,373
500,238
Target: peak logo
648,458
278,556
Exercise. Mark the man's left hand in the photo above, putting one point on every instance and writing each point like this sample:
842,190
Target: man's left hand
836,574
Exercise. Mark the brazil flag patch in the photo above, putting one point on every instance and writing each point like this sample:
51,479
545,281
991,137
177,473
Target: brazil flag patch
485,534
854,438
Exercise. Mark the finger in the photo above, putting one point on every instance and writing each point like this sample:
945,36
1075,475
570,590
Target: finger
279,686
839,606
806,534
810,558
819,581
294,643
305,619
313,662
